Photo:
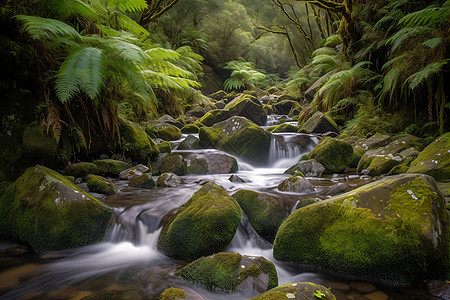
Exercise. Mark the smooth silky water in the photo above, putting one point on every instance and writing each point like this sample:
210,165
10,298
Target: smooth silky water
127,258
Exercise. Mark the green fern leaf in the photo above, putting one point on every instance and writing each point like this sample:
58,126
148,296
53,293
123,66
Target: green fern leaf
128,5
431,43
127,23
81,72
333,40
49,29
428,17
426,73
405,33
128,51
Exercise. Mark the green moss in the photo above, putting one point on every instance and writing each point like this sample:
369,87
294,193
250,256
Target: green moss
144,181
174,164
169,133
165,147
226,271
4,185
214,116
36,142
283,128
81,169
298,290
47,211
189,128
333,154
99,184
383,230
264,212
299,174
136,142
398,169
444,187
434,160
320,123
205,224
382,165
111,167
173,294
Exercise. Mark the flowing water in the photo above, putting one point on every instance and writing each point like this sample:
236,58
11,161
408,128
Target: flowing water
127,258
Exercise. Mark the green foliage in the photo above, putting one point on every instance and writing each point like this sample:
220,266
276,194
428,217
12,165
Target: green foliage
243,75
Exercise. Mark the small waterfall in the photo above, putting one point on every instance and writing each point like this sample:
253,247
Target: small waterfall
286,149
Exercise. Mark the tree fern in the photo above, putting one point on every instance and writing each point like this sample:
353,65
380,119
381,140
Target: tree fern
431,43
405,33
425,73
83,71
243,75
127,5
431,16
127,51
47,29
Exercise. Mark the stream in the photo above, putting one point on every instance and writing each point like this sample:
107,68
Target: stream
127,258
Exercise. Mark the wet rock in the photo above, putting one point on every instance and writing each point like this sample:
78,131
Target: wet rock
169,180
189,143
439,289
220,104
299,291
237,136
232,272
101,185
214,116
248,107
174,164
205,224
296,184
163,131
383,164
165,147
306,201
236,179
137,170
218,95
320,123
434,160
211,163
264,211
310,168
397,221
283,107
144,181
197,112
189,128
157,162
375,141
110,167
48,212
334,155
338,188
283,128
81,169
138,146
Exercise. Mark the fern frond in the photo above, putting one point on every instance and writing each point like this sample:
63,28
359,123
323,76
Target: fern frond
233,83
169,68
324,51
128,5
81,72
165,81
49,29
187,51
431,43
394,60
426,73
428,17
405,33
81,8
333,40
127,23
128,51
162,53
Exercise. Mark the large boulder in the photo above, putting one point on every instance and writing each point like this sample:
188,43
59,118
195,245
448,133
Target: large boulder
101,185
169,180
136,142
190,143
232,272
248,107
284,107
264,211
320,123
81,169
144,181
383,164
434,160
238,136
204,225
45,210
174,164
298,291
310,168
285,127
163,131
137,170
214,116
393,229
296,184
333,154
375,141
189,128
111,167
211,163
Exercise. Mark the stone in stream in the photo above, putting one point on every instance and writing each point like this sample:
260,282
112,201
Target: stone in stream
163,131
310,168
48,212
174,164
214,116
137,170
205,224
189,128
299,291
137,144
111,167
101,185
434,160
264,211
189,143
144,181
393,229
238,136
81,169
211,163
232,272
333,154
296,184
169,180
320,123
249,107
283,128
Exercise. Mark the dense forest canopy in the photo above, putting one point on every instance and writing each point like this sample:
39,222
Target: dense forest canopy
373,66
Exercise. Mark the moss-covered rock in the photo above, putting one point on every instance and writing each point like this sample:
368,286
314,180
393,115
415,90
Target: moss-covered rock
189,143
81,169
298,291
211,163
375,141
163,131
333,154
309,167
136,142
238,136
101,185
296,184
197,112
165,147
111,167
136,170
205,224
169,180
174,164
173,294
264,211
4,185
320,123
392,229
39,144
232,272
383,164
115,295
283,107
214,116
48,212
189,128
144,181
248,107
283,128
434,160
